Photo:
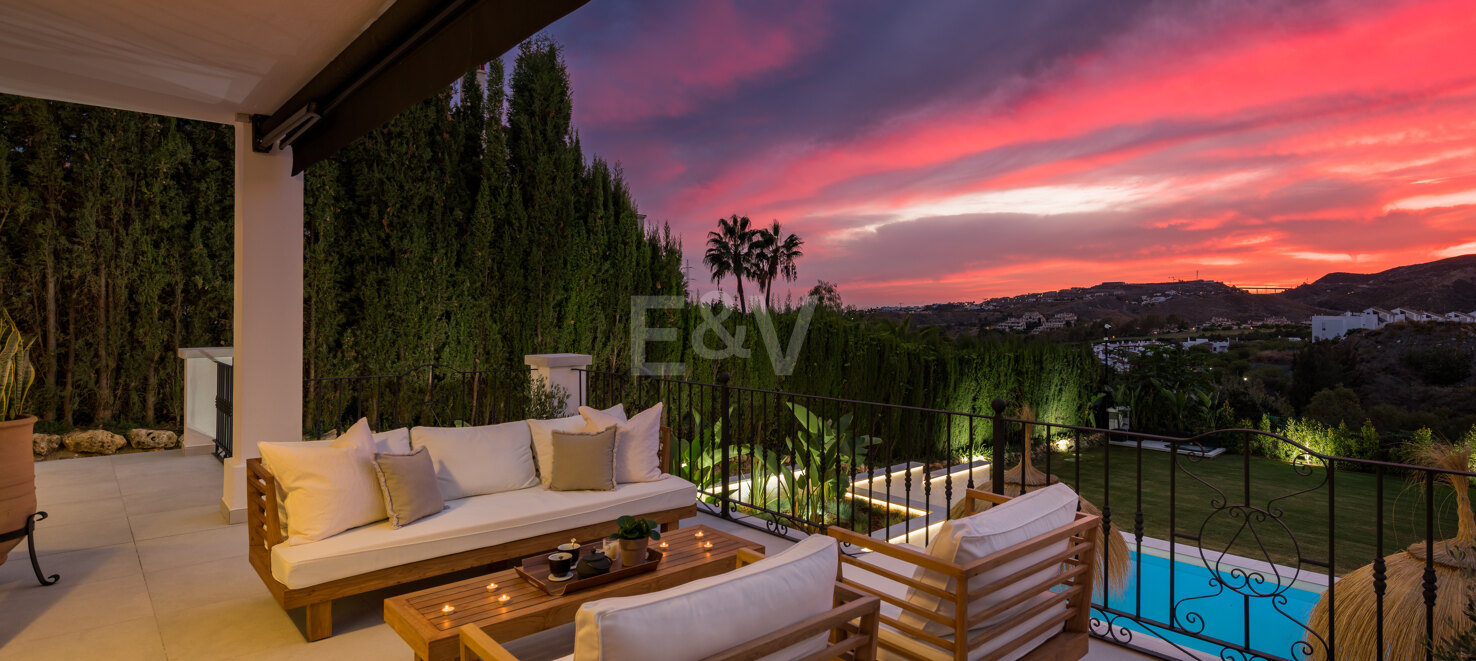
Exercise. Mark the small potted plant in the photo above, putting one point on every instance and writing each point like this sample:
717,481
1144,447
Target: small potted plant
633,535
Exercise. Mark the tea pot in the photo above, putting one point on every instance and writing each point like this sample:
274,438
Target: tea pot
593,563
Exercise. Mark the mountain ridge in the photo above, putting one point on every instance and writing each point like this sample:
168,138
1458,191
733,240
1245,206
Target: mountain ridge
1446,285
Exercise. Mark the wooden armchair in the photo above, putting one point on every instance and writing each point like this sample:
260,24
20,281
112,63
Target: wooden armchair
852,626
969,640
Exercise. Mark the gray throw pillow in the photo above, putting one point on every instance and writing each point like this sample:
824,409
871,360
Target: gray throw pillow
408,482
583,462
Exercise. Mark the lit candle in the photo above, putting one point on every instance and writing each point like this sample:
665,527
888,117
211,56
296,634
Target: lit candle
699,534
447,609
663,545
491,587
504,598
707,545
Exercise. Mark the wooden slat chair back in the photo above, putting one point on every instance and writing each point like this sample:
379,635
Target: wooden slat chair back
852,625
1072,586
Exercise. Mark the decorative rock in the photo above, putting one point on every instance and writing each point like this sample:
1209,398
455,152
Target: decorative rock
152,439
44,444
95,441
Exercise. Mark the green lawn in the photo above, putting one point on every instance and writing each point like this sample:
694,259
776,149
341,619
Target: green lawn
1304,522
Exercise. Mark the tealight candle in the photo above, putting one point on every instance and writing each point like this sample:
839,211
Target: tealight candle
662,545
447,609
707,545
491,587
504,598
698,535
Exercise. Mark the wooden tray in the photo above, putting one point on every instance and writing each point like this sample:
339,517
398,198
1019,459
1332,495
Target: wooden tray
535,571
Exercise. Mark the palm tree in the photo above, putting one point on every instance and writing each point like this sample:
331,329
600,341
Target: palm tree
775,255
730,252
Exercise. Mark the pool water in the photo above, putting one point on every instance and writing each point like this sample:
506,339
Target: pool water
1222,615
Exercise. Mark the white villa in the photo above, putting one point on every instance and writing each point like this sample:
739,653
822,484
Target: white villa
1332,327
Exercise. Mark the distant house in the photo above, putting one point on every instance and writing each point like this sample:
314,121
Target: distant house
1332,327
1384,316
1408,314
1460,317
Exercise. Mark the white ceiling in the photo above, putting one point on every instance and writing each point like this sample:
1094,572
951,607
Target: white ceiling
199,59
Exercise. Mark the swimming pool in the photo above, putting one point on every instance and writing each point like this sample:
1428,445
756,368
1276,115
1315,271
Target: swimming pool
1223,614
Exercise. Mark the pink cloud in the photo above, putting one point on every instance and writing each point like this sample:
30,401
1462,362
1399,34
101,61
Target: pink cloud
1247,140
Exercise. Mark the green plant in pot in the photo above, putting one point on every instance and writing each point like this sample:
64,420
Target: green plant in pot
17,467
634,534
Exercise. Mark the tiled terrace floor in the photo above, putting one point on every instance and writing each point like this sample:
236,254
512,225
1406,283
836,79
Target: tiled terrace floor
150,572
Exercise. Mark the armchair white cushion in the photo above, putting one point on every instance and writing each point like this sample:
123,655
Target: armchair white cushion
713,614
637,442
973,537
471,461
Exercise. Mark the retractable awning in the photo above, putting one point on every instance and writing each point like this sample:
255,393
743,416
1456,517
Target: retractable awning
315,75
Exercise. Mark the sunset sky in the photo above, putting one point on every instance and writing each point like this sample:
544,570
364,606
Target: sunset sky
956,150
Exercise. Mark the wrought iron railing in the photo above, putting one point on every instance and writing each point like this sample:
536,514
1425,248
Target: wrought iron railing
1238,533
224,387
432,395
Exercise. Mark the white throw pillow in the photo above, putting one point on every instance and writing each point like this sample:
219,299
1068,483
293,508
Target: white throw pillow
394,441
542,432
637,442
471,461
965,540
326,490
715,613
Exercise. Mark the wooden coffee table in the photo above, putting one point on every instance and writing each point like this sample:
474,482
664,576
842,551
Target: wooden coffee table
419,619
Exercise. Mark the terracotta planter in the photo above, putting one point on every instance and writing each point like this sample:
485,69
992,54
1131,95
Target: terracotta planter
17,478
632,551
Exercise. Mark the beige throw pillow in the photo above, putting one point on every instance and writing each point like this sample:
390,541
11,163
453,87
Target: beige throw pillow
583,462
409,485
542,432
637,442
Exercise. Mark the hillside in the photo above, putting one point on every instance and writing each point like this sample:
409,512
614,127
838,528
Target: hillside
1448,285
1442,286
1414,375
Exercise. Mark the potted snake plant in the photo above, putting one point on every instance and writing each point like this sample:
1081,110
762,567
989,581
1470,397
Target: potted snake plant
17,467
634,534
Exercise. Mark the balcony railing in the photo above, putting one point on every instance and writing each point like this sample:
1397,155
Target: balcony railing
429,394
1235,536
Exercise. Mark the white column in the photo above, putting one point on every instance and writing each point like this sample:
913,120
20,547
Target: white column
199,397
268,311
558,369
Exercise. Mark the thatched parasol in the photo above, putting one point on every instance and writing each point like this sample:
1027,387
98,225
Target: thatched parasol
1115,560
1404,598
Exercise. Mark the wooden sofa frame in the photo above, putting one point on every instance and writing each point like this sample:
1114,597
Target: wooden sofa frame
852,625
1074,586
264,528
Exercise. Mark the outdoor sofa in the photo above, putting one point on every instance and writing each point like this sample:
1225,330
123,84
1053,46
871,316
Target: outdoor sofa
472,531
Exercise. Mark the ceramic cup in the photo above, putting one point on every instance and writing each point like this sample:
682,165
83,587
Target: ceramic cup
559,564
572,548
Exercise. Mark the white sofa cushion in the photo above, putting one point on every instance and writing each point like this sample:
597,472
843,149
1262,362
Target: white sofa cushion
965,540
542,432
394,441
715,613
637,442
326,489
471,523
471,461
